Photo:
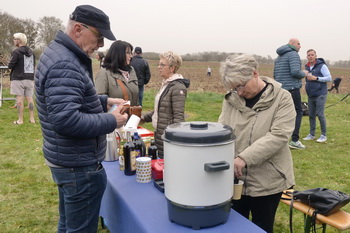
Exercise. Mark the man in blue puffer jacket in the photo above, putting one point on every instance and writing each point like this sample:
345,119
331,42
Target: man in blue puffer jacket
287,71
316,89
74,119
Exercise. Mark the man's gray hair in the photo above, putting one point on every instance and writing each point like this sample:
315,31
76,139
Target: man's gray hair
20,36
237,70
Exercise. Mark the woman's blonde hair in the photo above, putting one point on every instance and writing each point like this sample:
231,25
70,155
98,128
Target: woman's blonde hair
237,70
173,59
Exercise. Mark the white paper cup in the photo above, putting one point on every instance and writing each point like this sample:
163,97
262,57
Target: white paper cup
237,190
133,122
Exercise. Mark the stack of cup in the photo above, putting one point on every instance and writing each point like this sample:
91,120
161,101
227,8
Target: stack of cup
143,170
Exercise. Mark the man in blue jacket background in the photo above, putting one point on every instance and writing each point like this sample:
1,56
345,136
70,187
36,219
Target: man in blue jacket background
316,89
287,71
74,118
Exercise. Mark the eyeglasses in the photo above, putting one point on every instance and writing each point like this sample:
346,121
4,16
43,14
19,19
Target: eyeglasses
99,36
240,87
162,65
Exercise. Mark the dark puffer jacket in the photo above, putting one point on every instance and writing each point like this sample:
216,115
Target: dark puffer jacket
73,122
171,109
287,69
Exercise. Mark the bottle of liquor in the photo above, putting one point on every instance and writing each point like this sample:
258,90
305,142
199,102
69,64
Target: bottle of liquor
122,140
153,150
138,145
129,156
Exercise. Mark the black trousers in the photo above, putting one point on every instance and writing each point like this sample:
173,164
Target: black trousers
263,209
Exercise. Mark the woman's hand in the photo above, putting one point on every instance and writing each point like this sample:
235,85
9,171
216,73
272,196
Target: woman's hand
239,164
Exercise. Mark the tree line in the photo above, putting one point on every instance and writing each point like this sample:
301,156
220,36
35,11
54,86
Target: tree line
40,34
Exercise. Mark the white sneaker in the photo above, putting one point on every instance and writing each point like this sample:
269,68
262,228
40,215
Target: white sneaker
309,137
322,139
296,145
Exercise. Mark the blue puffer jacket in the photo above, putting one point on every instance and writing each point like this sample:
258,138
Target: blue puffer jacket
287,69
73,122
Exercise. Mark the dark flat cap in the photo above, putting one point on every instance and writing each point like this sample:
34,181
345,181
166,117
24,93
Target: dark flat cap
93,17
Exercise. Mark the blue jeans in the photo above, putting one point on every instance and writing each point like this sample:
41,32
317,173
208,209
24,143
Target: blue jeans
297,104
80,193
316,108
141,88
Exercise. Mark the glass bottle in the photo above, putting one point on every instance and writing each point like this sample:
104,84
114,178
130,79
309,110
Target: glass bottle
153,150
129,156
138,145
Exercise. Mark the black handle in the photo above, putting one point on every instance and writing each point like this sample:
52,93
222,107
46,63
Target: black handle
199,125
215,167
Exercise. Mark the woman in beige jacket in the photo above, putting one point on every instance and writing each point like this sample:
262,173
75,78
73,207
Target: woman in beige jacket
262,115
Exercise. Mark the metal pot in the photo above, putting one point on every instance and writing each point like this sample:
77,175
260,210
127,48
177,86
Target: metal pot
198,172
112,147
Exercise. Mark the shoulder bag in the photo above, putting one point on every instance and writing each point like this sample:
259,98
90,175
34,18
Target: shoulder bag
324,201
130,110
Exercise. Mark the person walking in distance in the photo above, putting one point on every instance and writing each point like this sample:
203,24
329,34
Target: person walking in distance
209,71
287,71
74,118
142,70
316,89
22,65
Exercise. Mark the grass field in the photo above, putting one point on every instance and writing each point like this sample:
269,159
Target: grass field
28,196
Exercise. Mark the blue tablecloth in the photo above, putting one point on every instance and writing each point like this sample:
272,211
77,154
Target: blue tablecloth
131,207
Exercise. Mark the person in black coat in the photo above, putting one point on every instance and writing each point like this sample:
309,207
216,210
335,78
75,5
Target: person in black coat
335,84
142,70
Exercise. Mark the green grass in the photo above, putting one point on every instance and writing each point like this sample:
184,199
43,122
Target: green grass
28,196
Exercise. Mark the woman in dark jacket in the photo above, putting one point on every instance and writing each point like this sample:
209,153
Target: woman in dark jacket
169,103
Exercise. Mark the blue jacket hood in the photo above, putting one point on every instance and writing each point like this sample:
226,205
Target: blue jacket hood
284,49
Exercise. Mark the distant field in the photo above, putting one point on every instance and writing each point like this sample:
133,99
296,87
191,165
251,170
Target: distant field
197,73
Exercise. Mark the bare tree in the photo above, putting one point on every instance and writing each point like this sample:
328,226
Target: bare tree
10,25
47,29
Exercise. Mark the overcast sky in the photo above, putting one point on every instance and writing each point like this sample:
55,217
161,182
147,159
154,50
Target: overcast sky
191,26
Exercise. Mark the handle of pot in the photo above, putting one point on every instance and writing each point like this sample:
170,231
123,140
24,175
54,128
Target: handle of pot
215,167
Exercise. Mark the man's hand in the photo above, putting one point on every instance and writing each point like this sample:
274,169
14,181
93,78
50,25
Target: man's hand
311,77
120,118
117,101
